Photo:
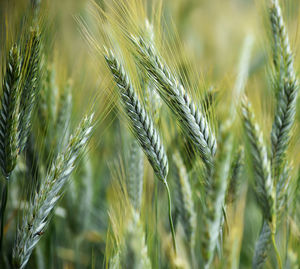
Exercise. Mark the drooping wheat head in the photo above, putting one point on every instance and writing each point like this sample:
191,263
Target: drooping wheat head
142,124
194,123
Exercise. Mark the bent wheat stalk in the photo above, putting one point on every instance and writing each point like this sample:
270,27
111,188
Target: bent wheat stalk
142,127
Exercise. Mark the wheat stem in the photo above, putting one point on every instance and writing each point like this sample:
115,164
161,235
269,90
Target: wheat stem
170,216
276,251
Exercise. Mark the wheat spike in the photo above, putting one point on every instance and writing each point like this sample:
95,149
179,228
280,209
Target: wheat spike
283,122
38,214
261,166
143,128
286,85
142,124
9,115
136,175
282,55
193,122
262,247
282,187
30,73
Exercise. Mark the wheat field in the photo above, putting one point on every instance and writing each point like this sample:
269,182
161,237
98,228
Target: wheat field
149,134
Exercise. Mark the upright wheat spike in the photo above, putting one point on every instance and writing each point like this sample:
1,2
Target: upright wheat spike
264,185
235,175
261,166
193,122
282,55
9,115
38,214
286,85
142,127
30,73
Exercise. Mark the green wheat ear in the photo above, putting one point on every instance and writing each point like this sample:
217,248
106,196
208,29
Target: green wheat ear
264,186
286,86
9,115
142,125
135,175
143,128
29,86
9,118
38,213
194,123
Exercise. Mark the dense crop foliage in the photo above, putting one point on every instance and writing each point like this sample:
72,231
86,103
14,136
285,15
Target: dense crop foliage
149,134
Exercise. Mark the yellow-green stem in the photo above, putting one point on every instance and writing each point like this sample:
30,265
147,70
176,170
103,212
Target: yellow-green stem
276,251
170,216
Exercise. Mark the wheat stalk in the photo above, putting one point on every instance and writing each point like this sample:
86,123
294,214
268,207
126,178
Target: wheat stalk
38,214
143,128
193,122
